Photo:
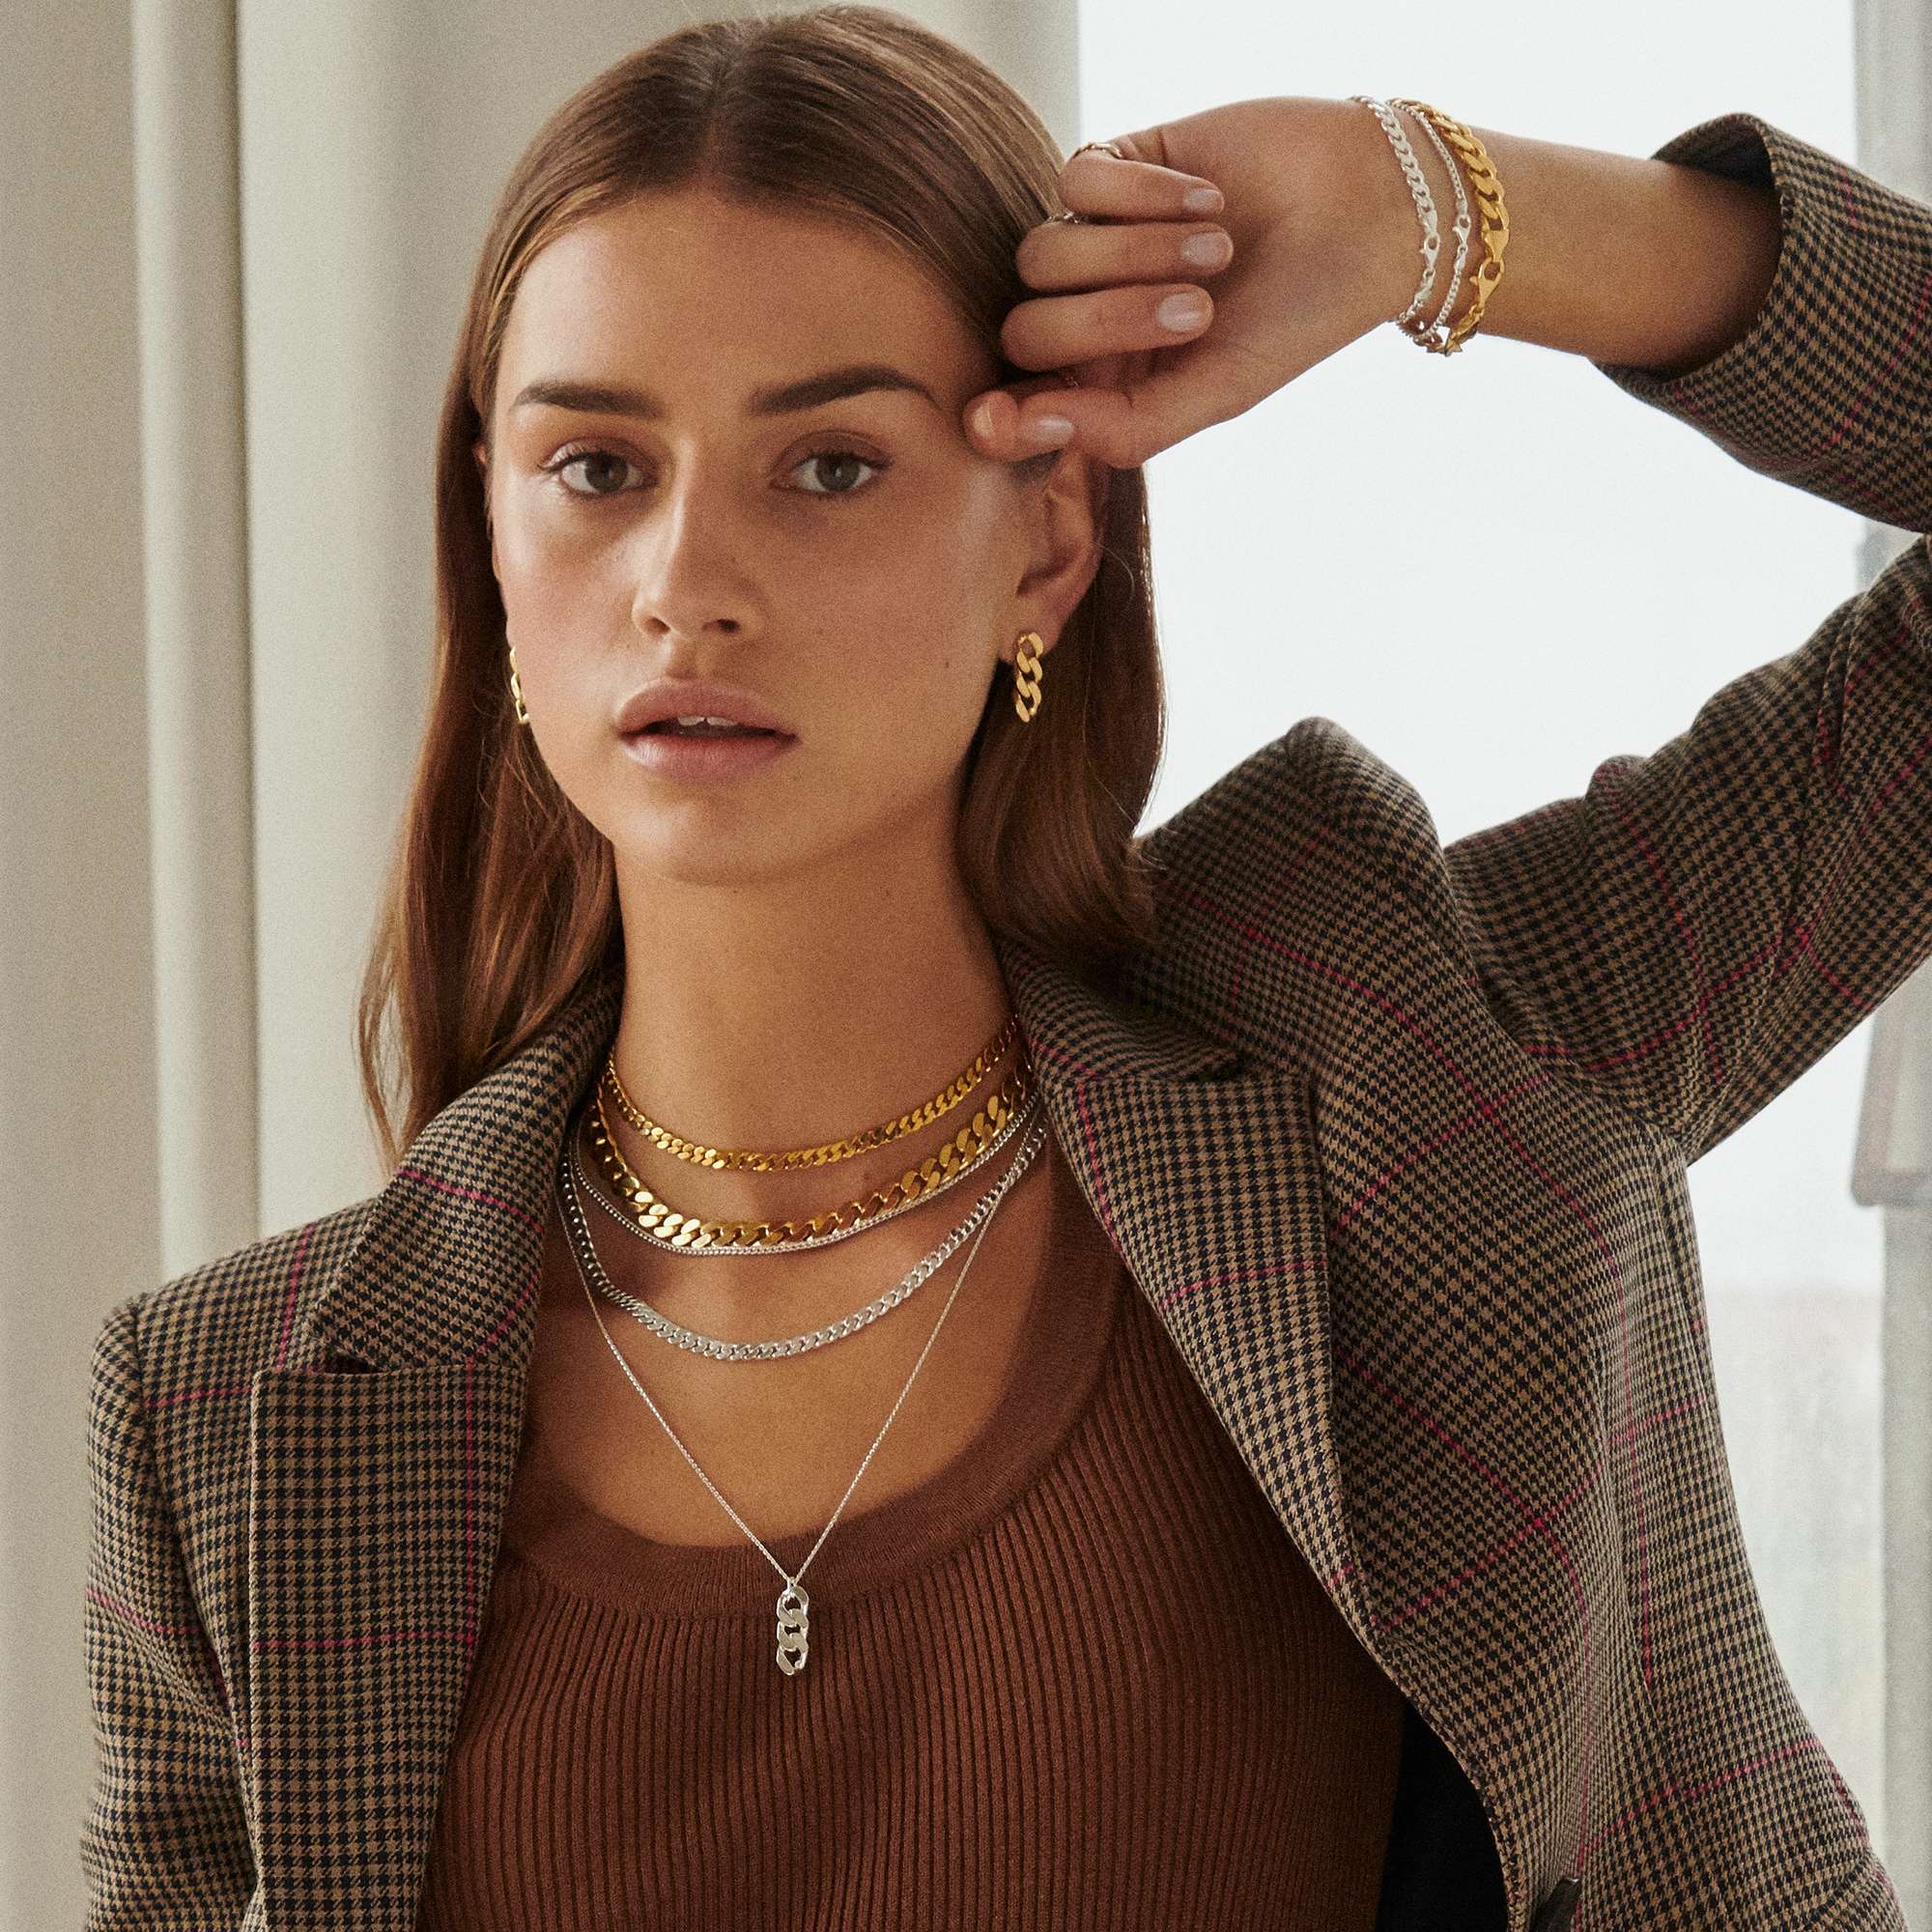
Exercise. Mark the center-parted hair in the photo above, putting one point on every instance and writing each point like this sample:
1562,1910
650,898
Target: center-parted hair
501,895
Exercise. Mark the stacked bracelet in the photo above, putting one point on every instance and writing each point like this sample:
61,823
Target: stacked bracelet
1437,337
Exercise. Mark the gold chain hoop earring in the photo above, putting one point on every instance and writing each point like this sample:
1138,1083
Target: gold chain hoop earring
516,689
1026,675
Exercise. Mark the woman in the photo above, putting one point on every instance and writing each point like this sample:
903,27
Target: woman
1314,1510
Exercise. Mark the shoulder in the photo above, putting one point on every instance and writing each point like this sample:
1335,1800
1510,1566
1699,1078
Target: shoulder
215,1324
1317,804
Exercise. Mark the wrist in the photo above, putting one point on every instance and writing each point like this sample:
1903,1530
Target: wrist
1393,263
1630,260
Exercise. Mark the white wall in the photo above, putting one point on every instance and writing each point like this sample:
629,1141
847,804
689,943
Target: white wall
1302,558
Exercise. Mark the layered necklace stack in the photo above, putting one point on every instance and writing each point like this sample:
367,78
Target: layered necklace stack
1010,1113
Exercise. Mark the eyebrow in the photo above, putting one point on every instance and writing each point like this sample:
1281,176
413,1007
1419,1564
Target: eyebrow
614,399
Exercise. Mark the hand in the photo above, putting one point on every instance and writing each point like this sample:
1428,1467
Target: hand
1323,250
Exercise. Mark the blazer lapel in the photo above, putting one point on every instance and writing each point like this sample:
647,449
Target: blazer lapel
1201,1165
376,1497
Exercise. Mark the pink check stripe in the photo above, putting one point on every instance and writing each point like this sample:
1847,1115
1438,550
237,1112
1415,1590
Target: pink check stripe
1850,200
483,1197
1432,1144
1684,1795
1828,745
192,1631
1538,1521
1808,468
201,1394
289,1298
128,1614
1447,1587
1784,953
1619,768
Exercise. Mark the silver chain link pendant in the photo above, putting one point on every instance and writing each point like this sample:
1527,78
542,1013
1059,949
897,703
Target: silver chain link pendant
792,1635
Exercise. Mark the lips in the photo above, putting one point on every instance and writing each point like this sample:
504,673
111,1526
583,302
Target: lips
706,757
667,699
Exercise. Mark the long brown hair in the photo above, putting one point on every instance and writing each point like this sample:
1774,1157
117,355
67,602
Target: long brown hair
500,897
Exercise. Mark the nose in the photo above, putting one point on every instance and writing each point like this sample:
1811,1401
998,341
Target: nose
687,582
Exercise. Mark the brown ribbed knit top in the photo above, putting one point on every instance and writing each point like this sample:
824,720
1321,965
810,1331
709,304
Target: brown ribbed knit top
1080,1676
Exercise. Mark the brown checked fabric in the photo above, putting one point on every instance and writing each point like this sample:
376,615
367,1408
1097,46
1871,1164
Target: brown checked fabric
1392,1138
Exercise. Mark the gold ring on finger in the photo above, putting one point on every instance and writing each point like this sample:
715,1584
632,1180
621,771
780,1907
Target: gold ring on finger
1105,148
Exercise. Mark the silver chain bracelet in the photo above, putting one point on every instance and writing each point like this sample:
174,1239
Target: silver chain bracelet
1425,207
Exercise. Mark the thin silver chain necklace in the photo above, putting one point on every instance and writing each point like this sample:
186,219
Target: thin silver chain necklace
691,1341
793,1605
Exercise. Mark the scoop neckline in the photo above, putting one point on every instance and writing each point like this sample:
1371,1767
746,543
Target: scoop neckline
1063,1340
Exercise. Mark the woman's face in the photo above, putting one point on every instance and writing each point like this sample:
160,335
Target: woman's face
854,563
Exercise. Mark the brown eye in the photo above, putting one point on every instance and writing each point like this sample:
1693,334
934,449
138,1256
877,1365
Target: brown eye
567,459
842,456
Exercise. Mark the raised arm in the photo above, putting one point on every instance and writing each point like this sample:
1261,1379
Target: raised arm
1651,263
1704,922
1768,293
1701,923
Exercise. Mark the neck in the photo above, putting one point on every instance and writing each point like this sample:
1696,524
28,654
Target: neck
791,1013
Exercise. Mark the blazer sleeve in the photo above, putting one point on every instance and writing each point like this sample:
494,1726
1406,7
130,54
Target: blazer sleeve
1704,922
164,1842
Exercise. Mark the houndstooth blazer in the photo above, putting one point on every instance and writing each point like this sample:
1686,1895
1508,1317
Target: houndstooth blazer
1392,1136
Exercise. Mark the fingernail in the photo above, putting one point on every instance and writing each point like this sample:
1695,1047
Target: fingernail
1049,429
982,417
1202,201
1182,311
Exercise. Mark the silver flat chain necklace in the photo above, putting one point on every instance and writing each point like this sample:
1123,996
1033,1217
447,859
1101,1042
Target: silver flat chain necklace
793,1605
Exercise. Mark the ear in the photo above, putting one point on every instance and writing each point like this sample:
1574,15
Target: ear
1067,513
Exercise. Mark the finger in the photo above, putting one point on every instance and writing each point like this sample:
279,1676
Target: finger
998,421
992,421
1206,383
1097,184
1073,254
1053,330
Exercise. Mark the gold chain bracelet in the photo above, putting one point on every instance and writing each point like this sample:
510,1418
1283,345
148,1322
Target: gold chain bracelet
1487,190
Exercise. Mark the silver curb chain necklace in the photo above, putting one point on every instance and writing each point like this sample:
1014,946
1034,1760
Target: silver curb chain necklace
793,1606
690,1340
